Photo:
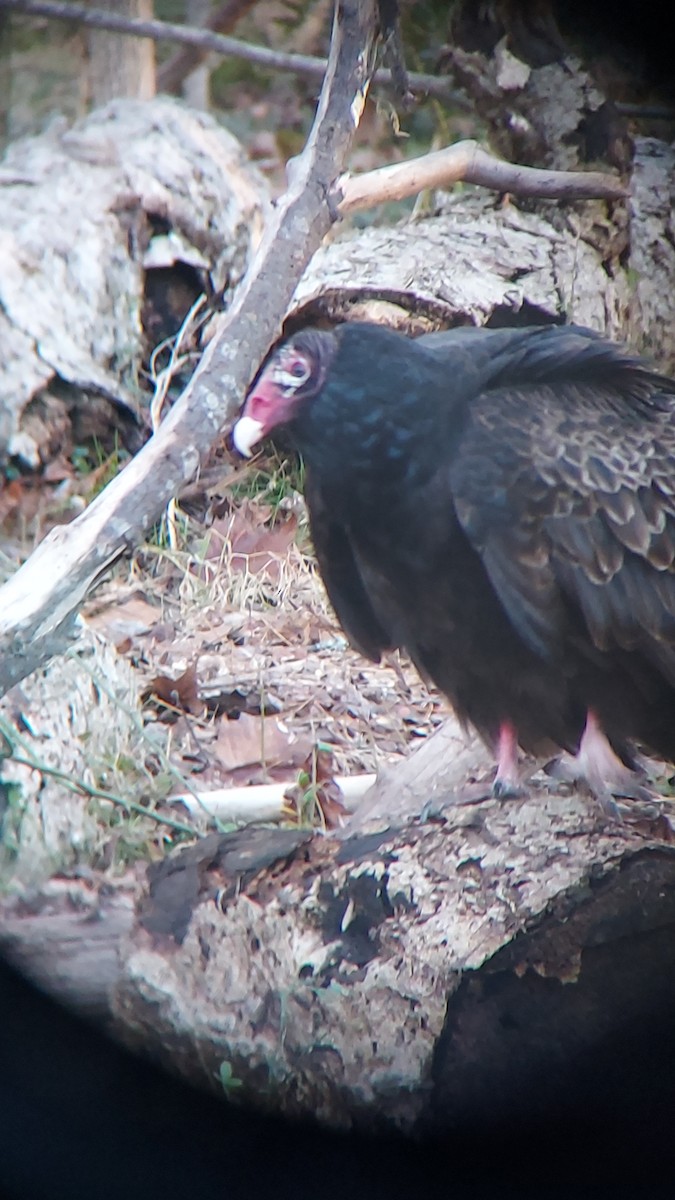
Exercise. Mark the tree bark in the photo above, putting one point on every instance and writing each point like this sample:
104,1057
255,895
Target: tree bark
69,944
403,980
122,67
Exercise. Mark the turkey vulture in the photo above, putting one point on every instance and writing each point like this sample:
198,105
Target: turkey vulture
501,504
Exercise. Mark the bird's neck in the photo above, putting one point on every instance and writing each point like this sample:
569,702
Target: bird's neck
375,441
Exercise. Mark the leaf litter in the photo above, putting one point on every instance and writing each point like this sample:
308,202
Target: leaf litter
245,670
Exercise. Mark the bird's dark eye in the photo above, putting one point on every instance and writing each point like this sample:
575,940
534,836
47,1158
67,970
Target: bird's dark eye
300,369
290,373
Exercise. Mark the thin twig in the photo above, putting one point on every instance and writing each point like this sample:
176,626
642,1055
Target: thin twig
13,739
207,40
162,382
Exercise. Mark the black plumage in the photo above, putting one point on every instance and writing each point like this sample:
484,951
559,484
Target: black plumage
501,504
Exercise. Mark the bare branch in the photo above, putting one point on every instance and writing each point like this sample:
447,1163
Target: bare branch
42,598
206,41
466,161
200,42
224,18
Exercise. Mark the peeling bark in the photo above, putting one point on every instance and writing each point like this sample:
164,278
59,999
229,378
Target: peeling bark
79,210
474,263
402,980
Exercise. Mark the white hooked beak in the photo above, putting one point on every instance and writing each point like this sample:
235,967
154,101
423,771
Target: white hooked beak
246,434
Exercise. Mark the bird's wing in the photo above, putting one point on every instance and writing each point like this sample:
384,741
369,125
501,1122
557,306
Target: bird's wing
342,578
569,496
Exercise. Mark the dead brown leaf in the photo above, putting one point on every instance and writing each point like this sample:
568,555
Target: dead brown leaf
251,740
124,621
178,693
11,498
254,546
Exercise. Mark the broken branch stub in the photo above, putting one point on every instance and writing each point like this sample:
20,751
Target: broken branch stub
465,162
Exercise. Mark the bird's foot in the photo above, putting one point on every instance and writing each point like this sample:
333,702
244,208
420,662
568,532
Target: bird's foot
601,770
507,789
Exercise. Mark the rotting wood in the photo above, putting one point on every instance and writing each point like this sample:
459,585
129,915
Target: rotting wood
72,317
69,944
389,979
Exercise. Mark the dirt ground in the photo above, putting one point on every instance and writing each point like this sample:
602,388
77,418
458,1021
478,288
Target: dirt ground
239,651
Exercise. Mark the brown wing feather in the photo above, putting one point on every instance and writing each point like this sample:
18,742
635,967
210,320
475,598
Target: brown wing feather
567,498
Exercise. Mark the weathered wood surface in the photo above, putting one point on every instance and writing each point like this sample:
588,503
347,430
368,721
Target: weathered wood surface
479,261
406,978
78,717
476,262
78,213
67,940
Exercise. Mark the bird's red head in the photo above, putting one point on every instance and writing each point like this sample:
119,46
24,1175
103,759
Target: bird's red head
292,374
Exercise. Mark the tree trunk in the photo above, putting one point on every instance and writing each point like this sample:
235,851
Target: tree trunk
121,67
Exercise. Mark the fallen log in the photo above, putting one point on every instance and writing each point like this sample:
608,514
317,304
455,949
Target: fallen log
69,944
409,978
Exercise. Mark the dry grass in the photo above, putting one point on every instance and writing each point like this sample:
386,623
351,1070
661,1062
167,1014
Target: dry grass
261,640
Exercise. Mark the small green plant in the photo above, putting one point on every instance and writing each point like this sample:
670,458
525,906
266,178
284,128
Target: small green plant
274,481
93,457
228,1079
306,794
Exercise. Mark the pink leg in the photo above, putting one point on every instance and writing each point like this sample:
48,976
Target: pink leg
507,779
597,765
597,762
